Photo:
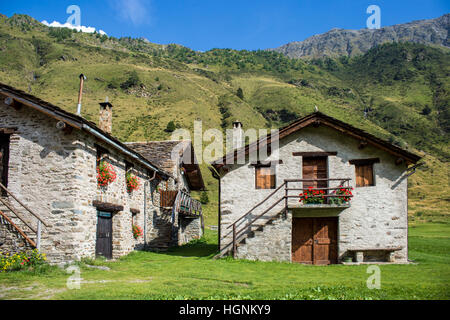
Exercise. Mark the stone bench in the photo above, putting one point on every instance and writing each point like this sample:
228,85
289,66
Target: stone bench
359,253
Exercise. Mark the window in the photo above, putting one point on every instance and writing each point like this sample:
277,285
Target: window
265,177
364,171
364,175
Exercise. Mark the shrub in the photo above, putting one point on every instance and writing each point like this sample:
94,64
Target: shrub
240,93
204,199
170,127
132,81
22,260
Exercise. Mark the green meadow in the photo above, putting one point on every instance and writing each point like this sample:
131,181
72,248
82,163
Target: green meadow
189,272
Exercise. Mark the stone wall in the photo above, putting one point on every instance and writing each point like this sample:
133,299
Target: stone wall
272,243
54,173
377,216
189,229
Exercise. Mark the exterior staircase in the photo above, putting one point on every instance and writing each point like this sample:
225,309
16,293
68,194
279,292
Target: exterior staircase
246,235
19,229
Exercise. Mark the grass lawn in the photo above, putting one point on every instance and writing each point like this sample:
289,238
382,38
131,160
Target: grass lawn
190,273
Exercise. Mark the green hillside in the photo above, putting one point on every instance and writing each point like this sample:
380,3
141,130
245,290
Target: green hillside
403,87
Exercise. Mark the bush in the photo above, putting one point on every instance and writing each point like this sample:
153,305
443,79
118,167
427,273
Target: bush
132,81
60,33
204,199
240,93
23,260
170,127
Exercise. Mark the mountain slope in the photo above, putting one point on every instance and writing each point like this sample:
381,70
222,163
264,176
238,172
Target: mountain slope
403,87
340,42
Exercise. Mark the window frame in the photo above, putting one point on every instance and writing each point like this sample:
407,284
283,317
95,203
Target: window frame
272,175
360,164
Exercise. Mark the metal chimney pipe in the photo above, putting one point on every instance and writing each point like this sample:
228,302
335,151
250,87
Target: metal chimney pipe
80,93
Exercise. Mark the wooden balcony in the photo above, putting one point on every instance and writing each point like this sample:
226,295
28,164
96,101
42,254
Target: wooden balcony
332,193
181,202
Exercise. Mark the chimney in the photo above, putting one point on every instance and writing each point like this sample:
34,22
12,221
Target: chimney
80,93
238,135
105,122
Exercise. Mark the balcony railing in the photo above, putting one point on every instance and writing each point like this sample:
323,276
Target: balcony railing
181,202
325,192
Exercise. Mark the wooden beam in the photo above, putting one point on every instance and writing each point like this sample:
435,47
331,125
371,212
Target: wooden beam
9,101
314,154
362,144
106,206
364,161
8,130
266,163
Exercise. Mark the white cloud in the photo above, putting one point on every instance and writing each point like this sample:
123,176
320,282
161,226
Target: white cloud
136,11
57,24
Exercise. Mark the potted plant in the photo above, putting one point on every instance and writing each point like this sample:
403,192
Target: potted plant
105,174
344,196
132,182
312,196
137,231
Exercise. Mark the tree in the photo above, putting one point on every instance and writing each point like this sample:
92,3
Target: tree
170,127
132,81
426,111
240,93
204,199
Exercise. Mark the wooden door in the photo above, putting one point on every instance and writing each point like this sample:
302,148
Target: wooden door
314,240
104,235
325,241
315,168
4,160
302,240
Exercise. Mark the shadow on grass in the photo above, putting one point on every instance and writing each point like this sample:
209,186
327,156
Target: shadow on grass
197,248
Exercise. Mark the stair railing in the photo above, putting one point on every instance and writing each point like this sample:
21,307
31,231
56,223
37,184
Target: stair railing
236,234
40,221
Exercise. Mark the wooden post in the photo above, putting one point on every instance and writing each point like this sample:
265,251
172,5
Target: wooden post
38,236
234,241
285,199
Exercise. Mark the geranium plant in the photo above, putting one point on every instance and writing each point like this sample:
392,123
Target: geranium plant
345,195
312,196
105,174
137,231
132,182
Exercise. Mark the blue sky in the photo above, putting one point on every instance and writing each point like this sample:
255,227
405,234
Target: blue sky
207,24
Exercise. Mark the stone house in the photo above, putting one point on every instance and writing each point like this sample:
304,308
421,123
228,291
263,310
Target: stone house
355,208
52,199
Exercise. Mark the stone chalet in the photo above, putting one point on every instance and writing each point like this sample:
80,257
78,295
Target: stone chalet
51,199
356,204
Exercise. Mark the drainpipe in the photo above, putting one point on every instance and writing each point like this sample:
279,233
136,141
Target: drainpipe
145,206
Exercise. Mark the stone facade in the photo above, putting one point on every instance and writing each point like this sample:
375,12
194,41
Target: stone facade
376,218
53,172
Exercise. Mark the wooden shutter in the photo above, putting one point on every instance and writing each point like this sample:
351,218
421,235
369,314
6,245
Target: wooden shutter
364,175
264,178
315,168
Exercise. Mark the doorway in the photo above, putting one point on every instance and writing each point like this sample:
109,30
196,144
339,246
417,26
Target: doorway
104,234
314,240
